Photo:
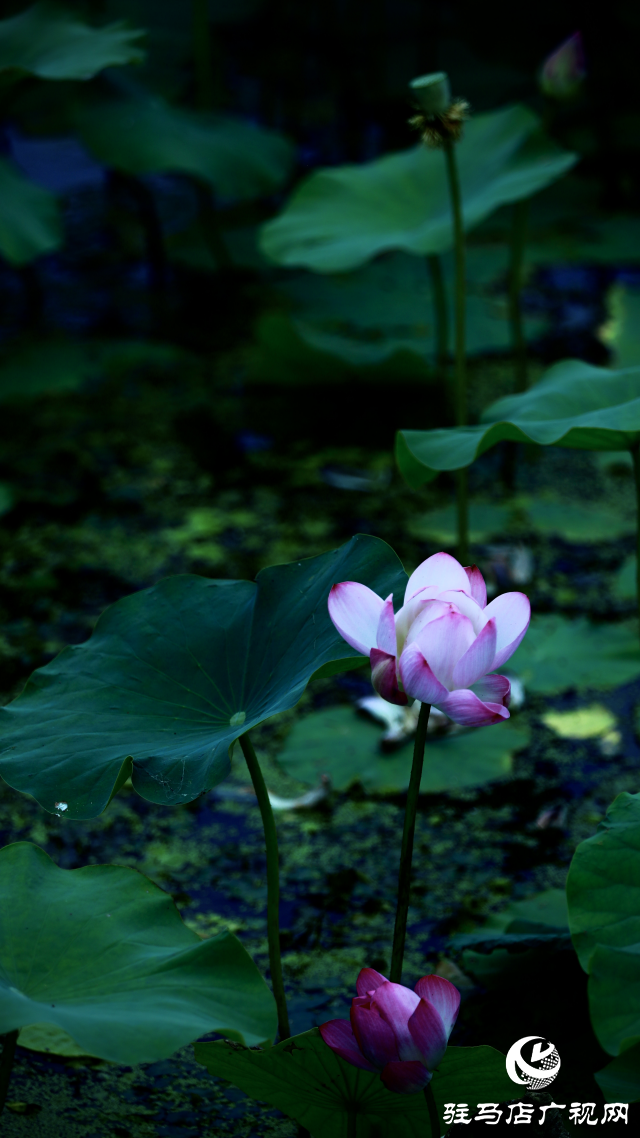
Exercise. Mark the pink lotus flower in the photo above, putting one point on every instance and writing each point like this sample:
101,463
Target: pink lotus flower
400,1033
564,70
442,644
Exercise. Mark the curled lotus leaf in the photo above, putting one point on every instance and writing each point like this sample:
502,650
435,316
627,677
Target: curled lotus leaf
573,405
102,954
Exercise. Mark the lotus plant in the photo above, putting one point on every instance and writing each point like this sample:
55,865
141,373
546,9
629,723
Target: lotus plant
441,648
444,644
400,1033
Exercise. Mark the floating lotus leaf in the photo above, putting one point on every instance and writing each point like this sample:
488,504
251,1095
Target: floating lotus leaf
560,653
574,405
309,1082
30,222
339,743
144,134
341,217
172,676
102,954
52,43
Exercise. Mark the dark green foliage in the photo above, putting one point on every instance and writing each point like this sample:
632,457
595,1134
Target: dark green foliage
102,954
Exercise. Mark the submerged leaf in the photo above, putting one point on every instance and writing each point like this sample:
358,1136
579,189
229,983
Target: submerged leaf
102,954
339,218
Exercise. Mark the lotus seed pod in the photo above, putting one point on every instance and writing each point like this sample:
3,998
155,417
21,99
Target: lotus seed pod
432,93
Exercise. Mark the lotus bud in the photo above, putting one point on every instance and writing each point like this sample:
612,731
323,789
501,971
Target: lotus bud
432,93
564,70
399,1032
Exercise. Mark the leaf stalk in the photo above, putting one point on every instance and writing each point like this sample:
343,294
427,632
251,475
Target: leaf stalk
273,884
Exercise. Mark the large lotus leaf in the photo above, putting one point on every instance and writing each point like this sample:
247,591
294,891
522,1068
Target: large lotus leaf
619,1081
146,135
306,1079
603,893
172,675
30,222
340,218
102,953
560,653
603,886
387,306
339,743
52,43
573,405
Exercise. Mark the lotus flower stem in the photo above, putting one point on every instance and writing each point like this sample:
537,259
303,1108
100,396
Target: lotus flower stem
440,312
273,884
6,1064
520,218
460,353
352,1124
434,1117
406,853
635,455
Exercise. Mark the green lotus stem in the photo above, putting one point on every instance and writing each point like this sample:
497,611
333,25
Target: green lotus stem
440,312
352,1124
273,884
458,237
6,1064
635,455
202,58
460,352
462,510
406,853
434,1118
519,222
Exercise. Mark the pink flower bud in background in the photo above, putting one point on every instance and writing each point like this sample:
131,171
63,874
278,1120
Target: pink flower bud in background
564,70
442,644
400,1033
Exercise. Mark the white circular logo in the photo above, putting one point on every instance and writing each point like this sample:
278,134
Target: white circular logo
533,1062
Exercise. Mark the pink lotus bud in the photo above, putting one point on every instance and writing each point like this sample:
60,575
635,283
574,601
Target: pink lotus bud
442,645
400,1033
564,70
